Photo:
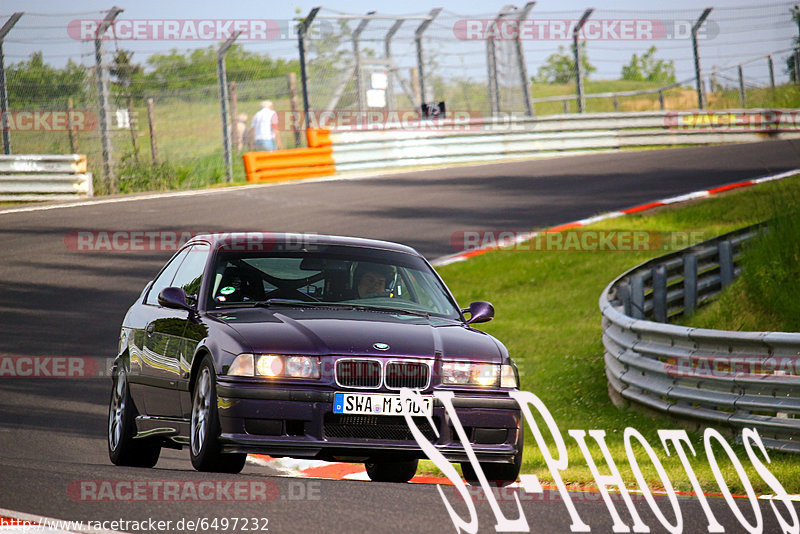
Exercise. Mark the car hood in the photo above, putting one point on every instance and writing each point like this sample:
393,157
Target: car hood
356,332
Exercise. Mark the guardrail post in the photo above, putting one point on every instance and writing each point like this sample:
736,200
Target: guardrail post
637,296
701,100
725,263
624,295
689,284
660,293
3,92
577,52
223,97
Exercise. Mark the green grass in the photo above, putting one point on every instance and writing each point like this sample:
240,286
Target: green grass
547,315
764,297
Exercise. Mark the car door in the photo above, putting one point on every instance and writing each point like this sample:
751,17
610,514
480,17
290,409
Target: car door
190,331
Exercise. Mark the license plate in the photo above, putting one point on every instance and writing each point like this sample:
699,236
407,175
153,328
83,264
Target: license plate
378,404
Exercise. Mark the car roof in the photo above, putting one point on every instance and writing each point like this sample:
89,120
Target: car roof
219,240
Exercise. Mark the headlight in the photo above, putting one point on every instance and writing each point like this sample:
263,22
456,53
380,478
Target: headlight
275,366
508,378
470,374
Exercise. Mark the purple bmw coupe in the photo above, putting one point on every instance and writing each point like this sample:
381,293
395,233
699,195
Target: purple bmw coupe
298,345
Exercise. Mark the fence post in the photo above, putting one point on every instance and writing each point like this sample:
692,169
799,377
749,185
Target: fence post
689,284
12,20
222,77
102,92
391,103
521,65
742,95
152,126
701,101
132,126
234,109
577,51
420,58
725,263
771,67
302,28
73,142
661,100
293,102
357,58
660,293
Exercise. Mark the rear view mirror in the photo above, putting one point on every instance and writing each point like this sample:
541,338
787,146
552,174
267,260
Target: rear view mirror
479,312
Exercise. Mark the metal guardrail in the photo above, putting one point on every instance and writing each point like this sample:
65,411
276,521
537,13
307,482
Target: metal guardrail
453,141
722,378
36,177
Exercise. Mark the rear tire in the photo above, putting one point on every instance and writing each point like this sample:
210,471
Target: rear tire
123,449
401,471
497,474
204,445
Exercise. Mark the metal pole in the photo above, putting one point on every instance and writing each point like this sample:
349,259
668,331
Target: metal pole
151,124
387,46
102,90
420,59
302,29
3,91
292,80
523,68
357,58
771,72
491,61
578,67
222,77
701,99
742,96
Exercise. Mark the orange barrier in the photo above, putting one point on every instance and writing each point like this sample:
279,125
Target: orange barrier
294,163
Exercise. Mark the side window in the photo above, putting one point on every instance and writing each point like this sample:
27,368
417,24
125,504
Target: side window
165,278
190,273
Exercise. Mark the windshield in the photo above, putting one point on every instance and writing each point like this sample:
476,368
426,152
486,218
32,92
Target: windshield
336,275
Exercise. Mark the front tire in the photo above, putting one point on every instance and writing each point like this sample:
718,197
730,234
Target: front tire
204,445
123,449
401,471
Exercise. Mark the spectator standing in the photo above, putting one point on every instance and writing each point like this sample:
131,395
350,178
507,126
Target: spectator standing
266,135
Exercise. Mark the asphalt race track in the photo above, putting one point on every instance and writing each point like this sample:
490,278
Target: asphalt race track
59,302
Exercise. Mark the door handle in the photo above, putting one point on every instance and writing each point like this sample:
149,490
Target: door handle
150,329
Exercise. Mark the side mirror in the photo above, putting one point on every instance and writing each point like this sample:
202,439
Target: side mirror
479,312
174,297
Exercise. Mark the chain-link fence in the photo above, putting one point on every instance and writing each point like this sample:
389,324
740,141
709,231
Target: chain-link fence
164,104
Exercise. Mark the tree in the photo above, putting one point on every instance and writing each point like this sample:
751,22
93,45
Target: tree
33,82
560,67
648,68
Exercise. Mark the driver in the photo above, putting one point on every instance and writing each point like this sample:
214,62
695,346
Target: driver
372,280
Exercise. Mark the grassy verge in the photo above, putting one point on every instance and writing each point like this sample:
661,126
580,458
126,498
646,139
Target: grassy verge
547,316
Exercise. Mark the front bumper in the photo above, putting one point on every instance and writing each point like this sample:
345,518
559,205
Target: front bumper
300,423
